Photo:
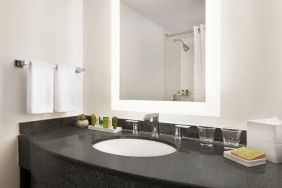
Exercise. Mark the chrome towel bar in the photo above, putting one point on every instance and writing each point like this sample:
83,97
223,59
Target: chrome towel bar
22,64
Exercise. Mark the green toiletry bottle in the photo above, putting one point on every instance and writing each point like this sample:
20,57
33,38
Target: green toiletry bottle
114,122
100,122
105,122
93,120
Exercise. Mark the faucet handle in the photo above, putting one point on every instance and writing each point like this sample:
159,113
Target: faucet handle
135,128
178,131
153,117
155,114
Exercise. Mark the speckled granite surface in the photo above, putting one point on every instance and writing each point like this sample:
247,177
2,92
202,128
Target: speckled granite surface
64,157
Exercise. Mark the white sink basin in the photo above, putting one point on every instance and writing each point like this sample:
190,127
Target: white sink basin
134,147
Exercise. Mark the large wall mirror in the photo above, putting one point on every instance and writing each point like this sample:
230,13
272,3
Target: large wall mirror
162,46
165,56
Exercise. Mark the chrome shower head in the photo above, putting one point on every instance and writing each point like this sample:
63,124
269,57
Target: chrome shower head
185,46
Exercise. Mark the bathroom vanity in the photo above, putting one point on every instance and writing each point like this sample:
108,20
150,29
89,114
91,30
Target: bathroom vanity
55,153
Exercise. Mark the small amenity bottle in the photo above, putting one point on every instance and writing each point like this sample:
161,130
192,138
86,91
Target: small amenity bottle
106,122
100,122
93,120
114,122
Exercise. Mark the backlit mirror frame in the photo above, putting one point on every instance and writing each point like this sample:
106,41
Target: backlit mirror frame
211,107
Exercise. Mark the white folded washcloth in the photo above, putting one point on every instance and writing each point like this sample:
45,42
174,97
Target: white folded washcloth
40,88
65,94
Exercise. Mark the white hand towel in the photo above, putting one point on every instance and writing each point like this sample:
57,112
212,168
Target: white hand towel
40,88
64,99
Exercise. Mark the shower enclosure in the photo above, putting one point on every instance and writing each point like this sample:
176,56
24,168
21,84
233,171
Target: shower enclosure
184,65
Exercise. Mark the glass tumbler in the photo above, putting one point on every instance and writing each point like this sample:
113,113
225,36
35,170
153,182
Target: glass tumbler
206,135
231,138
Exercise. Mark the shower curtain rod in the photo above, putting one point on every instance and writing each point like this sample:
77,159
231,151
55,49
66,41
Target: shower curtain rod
181,33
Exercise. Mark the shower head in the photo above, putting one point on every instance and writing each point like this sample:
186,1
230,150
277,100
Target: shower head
185,46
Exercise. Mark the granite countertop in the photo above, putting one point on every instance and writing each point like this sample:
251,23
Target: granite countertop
191,165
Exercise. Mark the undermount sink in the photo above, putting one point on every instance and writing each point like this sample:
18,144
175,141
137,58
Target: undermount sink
134,147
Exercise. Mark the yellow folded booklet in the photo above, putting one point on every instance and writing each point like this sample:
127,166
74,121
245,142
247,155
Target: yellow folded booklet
248,154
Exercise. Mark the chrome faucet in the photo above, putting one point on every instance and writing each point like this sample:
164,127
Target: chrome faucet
154,119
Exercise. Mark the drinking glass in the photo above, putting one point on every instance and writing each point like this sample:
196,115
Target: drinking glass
231,138
206,135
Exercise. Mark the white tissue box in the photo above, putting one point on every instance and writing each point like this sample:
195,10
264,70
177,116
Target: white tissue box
265,135
272,151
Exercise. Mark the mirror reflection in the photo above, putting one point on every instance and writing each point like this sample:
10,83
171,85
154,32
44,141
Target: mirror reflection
162,50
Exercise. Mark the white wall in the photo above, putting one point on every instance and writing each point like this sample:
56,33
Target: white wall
49,30
141,62
251,68
96,49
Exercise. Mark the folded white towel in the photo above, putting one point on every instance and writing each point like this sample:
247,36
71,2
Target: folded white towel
40,88
65,95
